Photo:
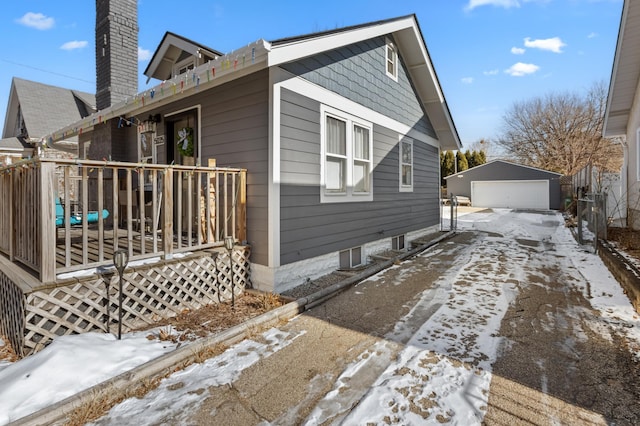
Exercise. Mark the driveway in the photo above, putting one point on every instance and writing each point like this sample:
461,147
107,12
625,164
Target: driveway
508,322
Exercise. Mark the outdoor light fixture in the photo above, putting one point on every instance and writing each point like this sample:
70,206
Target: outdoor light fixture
120,261
229,242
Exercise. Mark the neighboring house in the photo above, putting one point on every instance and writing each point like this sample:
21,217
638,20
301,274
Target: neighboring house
13,149
35,110
622,115
340,132
503,184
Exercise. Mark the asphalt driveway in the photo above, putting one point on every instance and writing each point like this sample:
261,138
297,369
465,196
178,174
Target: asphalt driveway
508,322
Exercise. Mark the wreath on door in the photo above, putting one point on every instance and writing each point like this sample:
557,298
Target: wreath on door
185,141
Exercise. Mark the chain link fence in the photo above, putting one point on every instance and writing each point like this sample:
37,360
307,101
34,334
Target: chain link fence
592,219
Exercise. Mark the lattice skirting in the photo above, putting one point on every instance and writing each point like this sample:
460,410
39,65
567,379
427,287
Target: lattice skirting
150,292
12,313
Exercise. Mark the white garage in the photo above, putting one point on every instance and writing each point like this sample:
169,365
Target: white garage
513,194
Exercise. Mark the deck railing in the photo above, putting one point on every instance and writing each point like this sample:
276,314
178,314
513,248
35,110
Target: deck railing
150,210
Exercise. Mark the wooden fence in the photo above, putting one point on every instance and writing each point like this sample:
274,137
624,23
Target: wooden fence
61,216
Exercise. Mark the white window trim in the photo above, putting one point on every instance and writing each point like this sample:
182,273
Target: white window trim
638,154
350,251
388,42
405,188
395,241
349,195
189,63
85,150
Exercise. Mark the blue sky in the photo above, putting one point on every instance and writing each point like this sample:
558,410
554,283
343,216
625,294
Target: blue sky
488,54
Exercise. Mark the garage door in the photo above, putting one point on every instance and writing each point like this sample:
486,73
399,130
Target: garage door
513,194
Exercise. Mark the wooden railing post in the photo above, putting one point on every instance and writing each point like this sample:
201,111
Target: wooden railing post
167,224
47,221
241,233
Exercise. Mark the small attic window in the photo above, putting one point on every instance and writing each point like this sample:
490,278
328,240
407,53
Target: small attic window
184,66
392,60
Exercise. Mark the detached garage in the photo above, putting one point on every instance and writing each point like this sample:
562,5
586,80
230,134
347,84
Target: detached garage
502,184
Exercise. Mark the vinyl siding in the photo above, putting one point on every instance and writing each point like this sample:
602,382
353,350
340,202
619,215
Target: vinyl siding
358,73
310,228
235,131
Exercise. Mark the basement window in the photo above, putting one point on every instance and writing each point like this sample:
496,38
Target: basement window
351,258
397,243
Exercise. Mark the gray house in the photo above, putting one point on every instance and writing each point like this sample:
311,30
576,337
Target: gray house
500,183
340,133
35,110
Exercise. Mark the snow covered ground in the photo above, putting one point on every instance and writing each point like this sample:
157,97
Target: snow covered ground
471,301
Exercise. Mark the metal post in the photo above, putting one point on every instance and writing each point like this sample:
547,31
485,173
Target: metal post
452,202
229,241
120,261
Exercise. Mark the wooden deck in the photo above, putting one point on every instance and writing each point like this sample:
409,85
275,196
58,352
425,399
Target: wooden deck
61,222
79,248
62,216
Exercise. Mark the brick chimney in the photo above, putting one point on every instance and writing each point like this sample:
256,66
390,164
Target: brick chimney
116,51
116,75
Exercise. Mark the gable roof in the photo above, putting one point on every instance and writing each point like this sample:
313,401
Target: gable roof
263,54
408,36
44,108
625,74
473,169
172,49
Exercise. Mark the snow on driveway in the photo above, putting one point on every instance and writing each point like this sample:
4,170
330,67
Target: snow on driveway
442,374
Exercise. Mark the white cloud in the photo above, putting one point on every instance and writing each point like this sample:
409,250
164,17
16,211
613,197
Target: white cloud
502,3
592,35
143,54
467,80
517,50
553,44
72,45
492,72
37,21
520,69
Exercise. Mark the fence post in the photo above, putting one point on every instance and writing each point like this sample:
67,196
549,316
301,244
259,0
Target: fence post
579,213
167,224
47,221
242,207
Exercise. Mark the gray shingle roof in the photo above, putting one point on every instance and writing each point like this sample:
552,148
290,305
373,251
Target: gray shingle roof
48,108
14,144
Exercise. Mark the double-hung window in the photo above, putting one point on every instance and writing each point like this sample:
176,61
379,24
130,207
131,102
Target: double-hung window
346,157
406,164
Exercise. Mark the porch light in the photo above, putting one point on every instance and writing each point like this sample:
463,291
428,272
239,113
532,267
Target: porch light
120,261
229,242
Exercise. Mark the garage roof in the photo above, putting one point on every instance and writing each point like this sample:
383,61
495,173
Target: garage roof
475,169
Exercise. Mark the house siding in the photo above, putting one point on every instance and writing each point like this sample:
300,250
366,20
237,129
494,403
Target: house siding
234,130
357,72
310,228
633,163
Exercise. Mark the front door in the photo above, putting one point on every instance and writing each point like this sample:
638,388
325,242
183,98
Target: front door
182,135
182,149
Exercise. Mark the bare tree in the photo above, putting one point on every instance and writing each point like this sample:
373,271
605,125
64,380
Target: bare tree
486,146
561,132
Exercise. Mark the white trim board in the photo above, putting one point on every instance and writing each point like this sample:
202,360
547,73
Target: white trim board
332,99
